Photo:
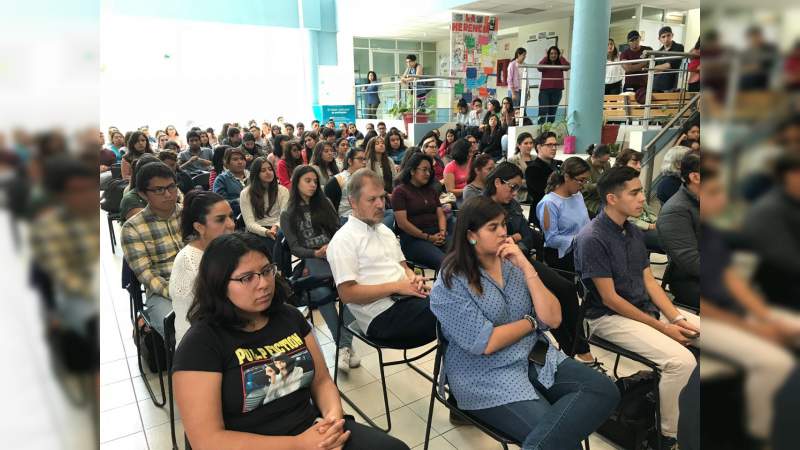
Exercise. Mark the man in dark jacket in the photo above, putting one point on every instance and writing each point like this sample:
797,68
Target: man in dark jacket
678,228
539,170
665,82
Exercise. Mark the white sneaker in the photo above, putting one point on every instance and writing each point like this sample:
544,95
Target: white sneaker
344,359
355,360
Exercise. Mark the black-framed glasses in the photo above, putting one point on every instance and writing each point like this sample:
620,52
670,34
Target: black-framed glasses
252,279
513,186
161,190
551,145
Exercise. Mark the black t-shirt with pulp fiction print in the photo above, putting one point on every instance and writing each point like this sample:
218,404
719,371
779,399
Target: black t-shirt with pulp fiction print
266,374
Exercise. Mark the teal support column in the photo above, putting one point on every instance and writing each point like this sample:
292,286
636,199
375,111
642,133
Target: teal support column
313,66
587,74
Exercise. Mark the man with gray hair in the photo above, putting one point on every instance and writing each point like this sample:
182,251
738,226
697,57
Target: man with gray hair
389,301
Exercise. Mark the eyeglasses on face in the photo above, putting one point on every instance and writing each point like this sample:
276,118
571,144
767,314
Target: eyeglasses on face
513,186
581,181
161,190
252,279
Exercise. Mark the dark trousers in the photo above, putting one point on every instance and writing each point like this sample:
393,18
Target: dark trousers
421,251
371,109
548,104
686,292
565,264
568,298
614,88
577,403
409,323
363,437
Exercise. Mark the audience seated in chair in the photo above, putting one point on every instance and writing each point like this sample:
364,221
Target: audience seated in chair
251,149
205,216
229,184
290,160
539,170
456,172
64,240
598,161
646,221
479,169
773,227
132,202
670,181
217,164
388,300
250,373
679,233
379,162
137,145
195,159
522,159
184,180
562,212
421,222
152,238
336,189
738,324
631,309
323,160
262,201
309,222
502,186
429,147
500,365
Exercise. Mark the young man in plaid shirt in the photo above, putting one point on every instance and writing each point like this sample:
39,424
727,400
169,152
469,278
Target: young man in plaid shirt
152,238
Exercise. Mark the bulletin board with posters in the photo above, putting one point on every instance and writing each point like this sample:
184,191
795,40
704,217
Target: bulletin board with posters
473,50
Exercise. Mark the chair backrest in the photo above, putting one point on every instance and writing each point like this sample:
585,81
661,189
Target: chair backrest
112,196
169,331
201,180
282,255
116,171
131,284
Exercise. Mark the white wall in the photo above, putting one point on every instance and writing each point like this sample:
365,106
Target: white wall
336,83
205,69
692,28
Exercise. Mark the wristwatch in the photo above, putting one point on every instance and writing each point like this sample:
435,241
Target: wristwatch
530,319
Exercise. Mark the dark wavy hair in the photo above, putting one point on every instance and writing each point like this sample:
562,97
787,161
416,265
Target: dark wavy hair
460,151
413,162
139,163
132,154
478,163
521,138
504,171
218,156
323,217
462,258
350,155
257,189
574,167
292,163
196,205
220,259
626,156
386,166
317,160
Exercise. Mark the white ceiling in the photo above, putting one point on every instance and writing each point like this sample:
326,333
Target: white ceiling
419,19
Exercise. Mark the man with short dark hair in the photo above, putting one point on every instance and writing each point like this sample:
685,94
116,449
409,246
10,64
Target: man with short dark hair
539,170
475,117
328,135
152,238
195,159
300,130
665,82
289,129
635,73
353,131
389,301
626,303
251,149
234,137
678,227
315,125
381,130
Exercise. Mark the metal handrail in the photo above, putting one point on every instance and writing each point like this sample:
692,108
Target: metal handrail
649,155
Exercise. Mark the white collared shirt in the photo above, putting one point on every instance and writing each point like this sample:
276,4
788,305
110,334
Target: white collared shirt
369,256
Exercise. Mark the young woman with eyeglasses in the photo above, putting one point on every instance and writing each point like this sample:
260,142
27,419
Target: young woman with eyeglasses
229,367
562,212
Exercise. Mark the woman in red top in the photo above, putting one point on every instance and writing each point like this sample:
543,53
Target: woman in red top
552,86
694,69
291,158
444,149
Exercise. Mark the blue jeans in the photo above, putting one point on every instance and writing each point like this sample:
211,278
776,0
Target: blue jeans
422,251
579,401
548,104
388,218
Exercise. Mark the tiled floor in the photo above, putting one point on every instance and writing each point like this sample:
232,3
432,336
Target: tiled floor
130,421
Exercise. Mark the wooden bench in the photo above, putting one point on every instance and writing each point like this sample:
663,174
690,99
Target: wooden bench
662,105
615,108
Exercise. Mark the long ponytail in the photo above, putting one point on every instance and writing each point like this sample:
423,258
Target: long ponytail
573,167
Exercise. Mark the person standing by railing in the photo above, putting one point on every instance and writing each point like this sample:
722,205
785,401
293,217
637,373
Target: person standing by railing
413,70
552,86
614,72
371,96
635,73
665,82
514,84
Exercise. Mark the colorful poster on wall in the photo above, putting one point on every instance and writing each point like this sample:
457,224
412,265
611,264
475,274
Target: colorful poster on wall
473,50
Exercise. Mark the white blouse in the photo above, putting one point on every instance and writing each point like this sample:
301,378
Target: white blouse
260,226
181,286
614,73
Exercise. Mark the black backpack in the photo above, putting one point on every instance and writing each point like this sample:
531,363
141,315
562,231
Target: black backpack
112,196
633,422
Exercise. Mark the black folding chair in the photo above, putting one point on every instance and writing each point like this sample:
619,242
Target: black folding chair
202,180
590,294
438,393
378,345
169,348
